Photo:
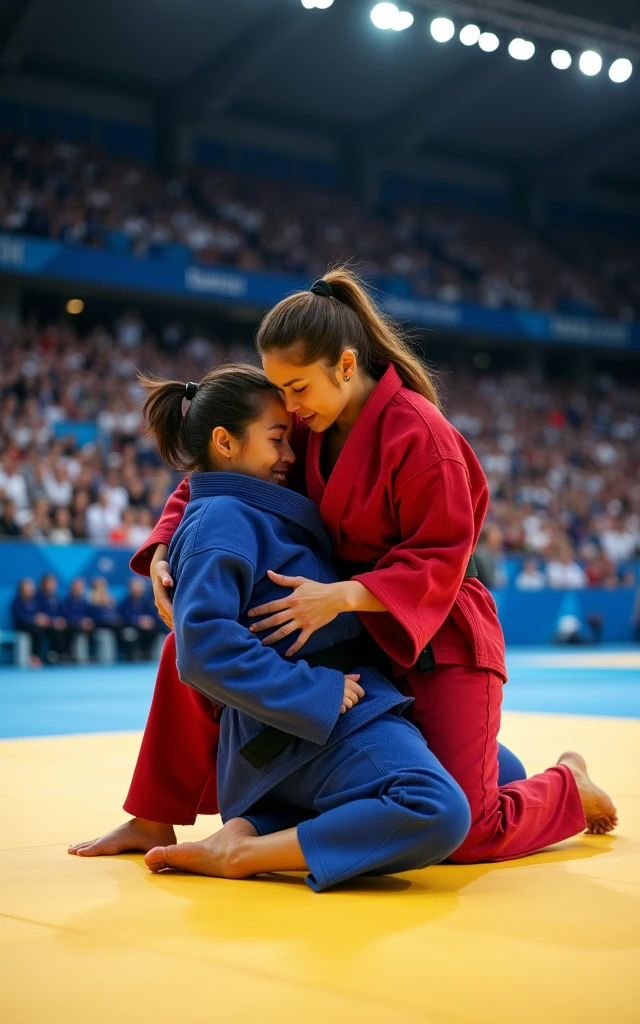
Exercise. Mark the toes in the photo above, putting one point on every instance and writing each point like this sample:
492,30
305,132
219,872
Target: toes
156,859
98,849
79,846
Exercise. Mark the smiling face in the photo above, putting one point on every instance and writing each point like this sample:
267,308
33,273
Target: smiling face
264,452
315,392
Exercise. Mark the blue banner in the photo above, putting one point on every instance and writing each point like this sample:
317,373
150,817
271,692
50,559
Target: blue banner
58,261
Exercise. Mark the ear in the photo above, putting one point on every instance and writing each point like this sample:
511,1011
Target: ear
348,362
221,441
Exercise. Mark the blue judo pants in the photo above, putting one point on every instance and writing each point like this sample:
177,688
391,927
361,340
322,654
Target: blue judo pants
378,802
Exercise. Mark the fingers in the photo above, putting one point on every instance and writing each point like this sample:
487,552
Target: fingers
163,574
273,620
280,634
353,693
285,581
270,608
300,642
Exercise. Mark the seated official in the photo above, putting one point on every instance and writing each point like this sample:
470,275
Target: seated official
103,605
139,624
51,607
78,611
27,617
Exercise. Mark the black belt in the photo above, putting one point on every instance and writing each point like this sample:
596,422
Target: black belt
363,650
426,661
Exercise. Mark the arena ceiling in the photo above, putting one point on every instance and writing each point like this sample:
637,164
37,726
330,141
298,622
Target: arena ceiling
331,71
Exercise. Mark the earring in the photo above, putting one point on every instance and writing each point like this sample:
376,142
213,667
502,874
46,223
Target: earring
347,378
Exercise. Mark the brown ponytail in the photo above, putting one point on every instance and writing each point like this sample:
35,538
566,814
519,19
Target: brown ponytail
324,326
231,396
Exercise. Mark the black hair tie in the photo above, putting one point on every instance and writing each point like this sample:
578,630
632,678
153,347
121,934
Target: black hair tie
322,287
190,390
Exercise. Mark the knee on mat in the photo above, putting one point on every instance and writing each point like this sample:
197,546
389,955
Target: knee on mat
446,822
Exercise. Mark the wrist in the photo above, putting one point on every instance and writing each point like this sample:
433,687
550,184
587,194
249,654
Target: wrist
349,591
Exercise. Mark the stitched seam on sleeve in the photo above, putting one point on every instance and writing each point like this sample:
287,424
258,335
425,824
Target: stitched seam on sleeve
424,469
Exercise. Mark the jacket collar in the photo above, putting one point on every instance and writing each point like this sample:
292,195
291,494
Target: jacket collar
263,495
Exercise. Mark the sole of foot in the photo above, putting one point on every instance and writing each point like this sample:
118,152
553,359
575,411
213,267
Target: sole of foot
135,836
599,809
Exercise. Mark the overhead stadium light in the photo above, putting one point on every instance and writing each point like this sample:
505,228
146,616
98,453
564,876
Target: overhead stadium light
521,49
387,16
620,70
488,42
469,35
590,62
442,29
561,59
322,4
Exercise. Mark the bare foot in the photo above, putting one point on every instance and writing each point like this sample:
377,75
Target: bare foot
599,809
137,835
220,855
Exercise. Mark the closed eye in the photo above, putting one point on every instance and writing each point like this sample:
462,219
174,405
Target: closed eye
298,391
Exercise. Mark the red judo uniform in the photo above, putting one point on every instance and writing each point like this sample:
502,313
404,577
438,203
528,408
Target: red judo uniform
408,493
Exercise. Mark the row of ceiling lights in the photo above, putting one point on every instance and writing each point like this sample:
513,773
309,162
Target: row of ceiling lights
389,17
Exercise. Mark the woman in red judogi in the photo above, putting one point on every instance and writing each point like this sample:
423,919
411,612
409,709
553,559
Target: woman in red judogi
404,498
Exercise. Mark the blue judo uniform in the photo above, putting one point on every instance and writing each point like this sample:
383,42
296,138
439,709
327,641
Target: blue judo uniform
363,789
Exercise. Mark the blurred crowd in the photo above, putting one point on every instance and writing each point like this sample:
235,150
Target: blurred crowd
57,487
77,194
68,627
562,460
563,466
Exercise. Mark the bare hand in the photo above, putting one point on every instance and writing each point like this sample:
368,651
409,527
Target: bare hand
161,580
310,606
353,692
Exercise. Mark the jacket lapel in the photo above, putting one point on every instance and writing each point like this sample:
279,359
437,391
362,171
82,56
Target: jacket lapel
261,494
356,450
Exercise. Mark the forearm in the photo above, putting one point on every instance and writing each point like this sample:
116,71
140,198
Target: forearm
355,597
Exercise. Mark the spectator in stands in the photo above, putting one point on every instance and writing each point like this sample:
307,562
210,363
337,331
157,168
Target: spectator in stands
12,483
61,530
531,576
78,611
102,518
51,608
488,557
8,519
617,541
564,573
599,570
27,617
79,506
139,622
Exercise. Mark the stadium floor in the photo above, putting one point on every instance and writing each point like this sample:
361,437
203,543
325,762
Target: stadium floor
553,937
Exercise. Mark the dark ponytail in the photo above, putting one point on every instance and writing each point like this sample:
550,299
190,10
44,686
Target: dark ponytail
231,396
326,325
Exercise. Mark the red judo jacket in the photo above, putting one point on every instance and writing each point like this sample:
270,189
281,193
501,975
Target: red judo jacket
408,492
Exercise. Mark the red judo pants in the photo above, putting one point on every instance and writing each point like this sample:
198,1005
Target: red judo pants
457,709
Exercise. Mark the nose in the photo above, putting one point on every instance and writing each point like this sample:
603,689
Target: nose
287,453
291,405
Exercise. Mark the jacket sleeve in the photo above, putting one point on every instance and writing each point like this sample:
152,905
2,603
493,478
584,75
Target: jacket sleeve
418,579
222,659
164,529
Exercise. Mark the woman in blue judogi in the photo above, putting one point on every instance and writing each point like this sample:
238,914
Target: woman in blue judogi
317,768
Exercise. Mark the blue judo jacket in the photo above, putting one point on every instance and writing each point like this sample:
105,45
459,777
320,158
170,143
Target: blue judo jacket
234,529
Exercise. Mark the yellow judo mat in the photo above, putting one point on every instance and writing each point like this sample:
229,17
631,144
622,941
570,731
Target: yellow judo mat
553,937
